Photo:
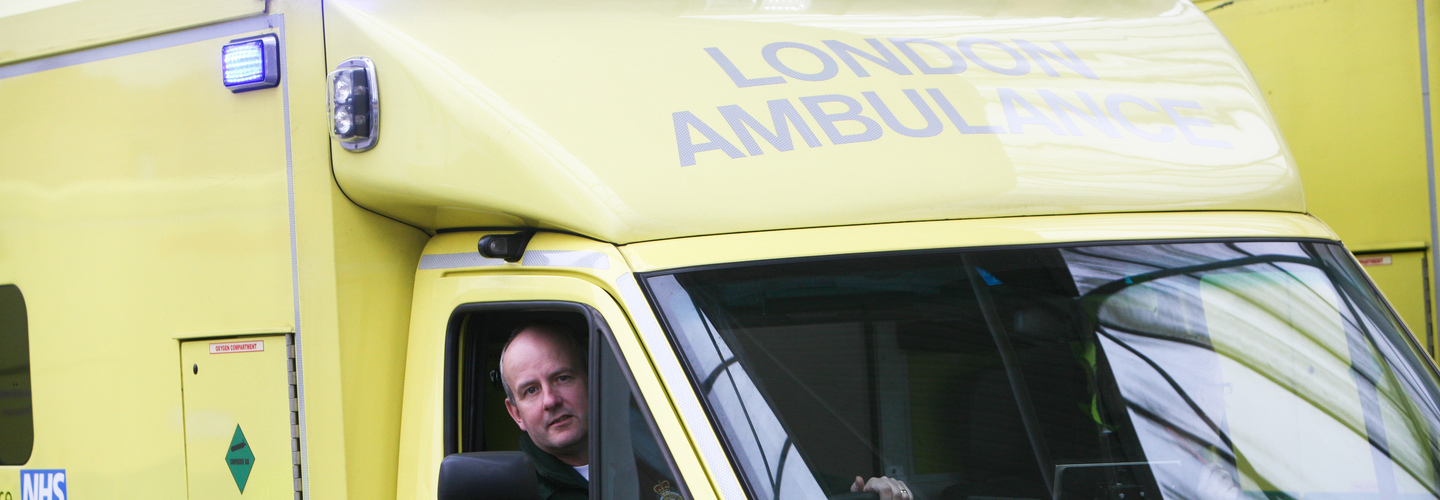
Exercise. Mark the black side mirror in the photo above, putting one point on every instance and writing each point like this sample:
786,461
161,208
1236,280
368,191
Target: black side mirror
488,475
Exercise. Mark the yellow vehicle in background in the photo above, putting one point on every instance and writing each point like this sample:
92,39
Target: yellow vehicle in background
1349,83
1002,249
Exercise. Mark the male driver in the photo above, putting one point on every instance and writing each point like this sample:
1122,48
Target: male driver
546,392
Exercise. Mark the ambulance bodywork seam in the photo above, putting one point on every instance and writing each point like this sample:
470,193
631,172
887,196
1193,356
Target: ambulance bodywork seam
1429,158
692,415
153,43
278,22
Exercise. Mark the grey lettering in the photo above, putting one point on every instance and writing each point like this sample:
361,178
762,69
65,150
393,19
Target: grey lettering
852,113
933,125
782,114
828,68
885,59
684,121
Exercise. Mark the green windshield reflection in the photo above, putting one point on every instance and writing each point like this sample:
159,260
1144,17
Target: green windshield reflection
1192,371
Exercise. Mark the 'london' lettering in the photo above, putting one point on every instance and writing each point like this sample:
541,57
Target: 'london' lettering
882,57
967,47
828,69
957,63
735,74
1071,60
1021,55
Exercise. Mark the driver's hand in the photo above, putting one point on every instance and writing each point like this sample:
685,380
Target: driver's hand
1215,483
888,488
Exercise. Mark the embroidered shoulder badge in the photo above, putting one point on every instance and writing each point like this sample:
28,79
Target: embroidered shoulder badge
662,491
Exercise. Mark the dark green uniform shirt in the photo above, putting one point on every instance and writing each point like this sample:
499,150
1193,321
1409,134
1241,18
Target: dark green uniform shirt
558,480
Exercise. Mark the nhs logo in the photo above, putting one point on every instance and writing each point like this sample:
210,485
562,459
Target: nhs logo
45,484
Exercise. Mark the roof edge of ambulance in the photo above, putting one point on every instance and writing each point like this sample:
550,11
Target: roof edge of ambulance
639,121
1081,229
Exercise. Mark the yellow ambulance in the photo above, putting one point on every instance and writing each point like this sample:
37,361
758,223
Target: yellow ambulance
992,249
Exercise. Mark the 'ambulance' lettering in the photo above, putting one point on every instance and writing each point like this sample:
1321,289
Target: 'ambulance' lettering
1112,103
684,121
1009,99
1095,116
846,120
959,121
851,113
932,122
782,113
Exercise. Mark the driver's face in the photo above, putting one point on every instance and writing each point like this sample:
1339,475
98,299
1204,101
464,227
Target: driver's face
552,397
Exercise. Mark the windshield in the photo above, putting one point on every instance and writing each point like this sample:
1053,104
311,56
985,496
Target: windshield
1182,371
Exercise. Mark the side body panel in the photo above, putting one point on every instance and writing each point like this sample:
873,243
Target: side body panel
130,219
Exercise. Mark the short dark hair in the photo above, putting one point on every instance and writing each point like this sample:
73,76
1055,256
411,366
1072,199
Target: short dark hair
564,332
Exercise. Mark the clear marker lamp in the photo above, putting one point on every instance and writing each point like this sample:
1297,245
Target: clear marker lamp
250,63
354,104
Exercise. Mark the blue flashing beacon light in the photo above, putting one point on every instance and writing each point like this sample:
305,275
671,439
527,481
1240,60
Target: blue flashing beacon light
251,63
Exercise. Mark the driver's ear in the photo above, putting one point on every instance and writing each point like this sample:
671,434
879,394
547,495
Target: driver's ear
515,414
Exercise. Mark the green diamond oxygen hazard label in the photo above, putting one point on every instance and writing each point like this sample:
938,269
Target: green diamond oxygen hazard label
239,459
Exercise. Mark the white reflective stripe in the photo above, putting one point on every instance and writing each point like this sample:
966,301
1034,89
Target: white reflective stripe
300,431
456,260
550,258
146,44
681,393
567,258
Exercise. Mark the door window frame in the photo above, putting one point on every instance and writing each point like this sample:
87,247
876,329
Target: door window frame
599,338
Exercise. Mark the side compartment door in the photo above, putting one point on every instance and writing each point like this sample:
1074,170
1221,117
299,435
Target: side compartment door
238,417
